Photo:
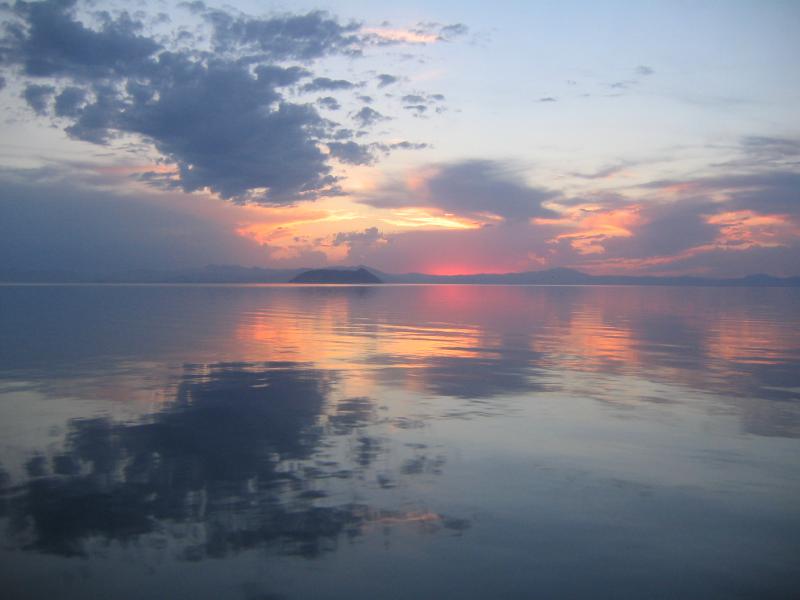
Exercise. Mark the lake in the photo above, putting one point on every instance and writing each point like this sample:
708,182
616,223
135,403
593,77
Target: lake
265,442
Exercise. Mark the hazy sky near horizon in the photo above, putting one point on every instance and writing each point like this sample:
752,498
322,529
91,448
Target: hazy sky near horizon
442,137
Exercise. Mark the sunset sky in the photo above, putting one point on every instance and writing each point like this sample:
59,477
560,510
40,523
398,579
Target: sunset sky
440,137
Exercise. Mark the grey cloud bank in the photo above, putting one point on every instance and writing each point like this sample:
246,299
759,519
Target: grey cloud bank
224,119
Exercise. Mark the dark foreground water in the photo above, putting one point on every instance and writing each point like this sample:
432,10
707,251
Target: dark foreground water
399,442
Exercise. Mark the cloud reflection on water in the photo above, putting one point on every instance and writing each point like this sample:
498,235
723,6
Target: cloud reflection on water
239,453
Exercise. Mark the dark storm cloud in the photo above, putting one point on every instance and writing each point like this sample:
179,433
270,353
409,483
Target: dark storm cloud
351,152
223,119
385,79
470,188
38,97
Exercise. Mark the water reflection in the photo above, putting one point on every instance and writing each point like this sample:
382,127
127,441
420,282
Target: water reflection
195,425
234,453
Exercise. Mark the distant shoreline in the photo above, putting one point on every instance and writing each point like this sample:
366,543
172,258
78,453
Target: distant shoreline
366,285
236,275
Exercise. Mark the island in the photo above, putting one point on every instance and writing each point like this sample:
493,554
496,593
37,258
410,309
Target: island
360,275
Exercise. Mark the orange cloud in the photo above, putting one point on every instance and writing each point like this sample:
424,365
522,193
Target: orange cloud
594,225
747,229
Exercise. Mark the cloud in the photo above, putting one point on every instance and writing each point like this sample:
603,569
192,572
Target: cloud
494,248
547,99
213,123
404,145
472,188
602,173
324,83
447,32
441,32
384,79
359,243
47,41
367,117
764,151
771,146
227,119
417,108
420,98
700,224
419,103
770,192
70,101
283,37
369,235
38,97
351,153
421,33
623,85
52,220
666,227
665,230
329,102
639,72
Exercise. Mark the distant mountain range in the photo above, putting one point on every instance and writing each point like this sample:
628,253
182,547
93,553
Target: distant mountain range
362,274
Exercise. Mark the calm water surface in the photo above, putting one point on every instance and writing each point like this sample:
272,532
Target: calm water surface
399,442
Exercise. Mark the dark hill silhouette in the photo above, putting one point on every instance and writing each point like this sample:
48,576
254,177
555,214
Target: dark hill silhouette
360,275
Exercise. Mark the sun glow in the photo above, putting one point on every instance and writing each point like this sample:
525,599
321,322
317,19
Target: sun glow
419,217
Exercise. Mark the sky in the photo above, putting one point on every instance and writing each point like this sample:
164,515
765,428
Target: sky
645,137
